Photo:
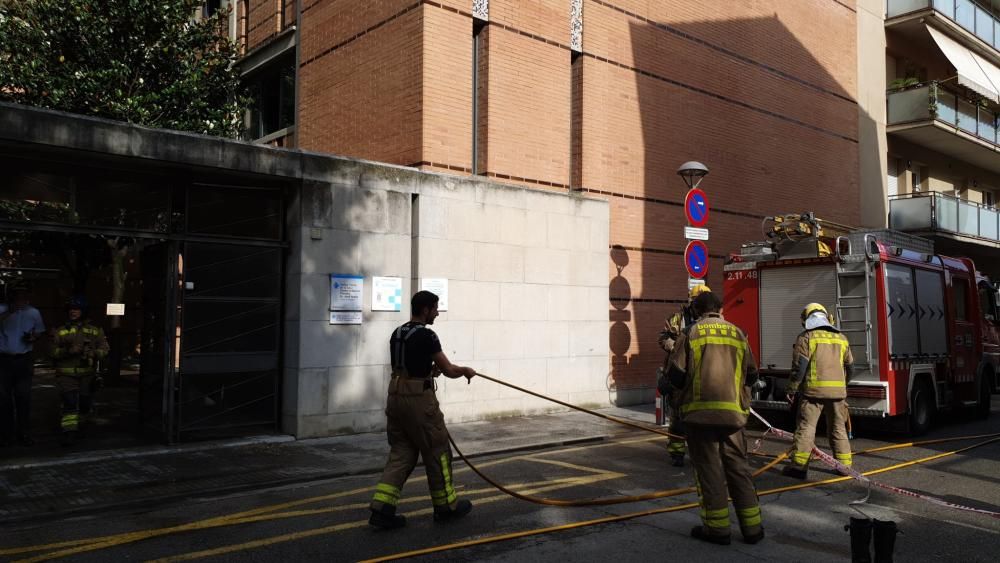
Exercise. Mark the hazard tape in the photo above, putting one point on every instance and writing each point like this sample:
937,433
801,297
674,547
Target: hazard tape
855,474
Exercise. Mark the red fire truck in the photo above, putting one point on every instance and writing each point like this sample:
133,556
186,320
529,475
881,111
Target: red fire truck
924,329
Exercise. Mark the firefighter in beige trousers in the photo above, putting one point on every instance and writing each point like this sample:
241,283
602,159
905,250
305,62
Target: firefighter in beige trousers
415,424
821,367
712,367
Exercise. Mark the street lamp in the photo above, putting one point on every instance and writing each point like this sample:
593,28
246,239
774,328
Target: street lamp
692,172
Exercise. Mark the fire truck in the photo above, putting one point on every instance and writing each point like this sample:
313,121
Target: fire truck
923,328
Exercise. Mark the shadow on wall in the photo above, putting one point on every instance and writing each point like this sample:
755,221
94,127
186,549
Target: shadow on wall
621,338
331,384
756,105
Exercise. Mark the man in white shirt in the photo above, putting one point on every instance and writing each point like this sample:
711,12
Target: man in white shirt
20,325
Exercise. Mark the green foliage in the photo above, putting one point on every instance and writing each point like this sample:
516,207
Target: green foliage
145,62
900,83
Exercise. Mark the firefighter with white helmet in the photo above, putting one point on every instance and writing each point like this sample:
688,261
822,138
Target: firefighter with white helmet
821,367
672,330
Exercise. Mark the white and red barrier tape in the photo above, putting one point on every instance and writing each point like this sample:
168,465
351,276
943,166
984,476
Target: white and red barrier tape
854,473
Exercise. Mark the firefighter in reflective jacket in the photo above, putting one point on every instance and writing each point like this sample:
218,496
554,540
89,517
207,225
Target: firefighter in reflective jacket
77,347
415,424
821,368
712,367
672,330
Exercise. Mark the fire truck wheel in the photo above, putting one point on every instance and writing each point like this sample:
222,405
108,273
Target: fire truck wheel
921,409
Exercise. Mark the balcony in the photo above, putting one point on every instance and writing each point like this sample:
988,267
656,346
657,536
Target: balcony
946,122
967,15
938,213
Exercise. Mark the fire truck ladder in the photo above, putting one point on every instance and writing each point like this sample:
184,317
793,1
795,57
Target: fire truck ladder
854,277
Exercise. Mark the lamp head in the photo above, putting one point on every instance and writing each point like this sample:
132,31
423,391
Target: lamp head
692,172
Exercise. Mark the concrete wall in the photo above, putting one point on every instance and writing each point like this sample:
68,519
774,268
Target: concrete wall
527,268
871,113
528,296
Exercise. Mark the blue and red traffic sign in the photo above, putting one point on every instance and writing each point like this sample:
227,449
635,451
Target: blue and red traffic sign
696,207
696,259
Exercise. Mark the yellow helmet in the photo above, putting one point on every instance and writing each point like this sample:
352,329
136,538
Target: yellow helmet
813,308
698,290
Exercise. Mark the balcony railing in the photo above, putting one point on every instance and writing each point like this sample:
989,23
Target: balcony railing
933,211
968,14
932,101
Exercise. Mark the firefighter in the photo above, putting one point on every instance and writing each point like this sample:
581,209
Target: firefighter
672,329
76,349
415,424
712,367
821,367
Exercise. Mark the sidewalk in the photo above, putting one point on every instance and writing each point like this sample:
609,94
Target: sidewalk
33,490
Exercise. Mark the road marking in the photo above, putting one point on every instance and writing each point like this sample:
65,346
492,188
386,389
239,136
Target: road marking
360,523
252,515
268,513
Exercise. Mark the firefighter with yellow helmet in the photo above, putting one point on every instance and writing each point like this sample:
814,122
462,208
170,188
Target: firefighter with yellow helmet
672,329
712,368
76,349
822,365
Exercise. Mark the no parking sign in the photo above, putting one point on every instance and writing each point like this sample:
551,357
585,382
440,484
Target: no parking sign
696,259
696,207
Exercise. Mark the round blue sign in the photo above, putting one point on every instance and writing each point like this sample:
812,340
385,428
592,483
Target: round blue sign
696,259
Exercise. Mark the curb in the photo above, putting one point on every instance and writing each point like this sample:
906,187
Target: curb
105,455
236,488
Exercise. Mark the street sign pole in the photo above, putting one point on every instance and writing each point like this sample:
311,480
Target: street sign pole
696,211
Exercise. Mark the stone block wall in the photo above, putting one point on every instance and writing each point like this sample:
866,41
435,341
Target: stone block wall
527,293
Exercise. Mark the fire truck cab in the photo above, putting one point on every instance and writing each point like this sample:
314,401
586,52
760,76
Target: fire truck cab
924,329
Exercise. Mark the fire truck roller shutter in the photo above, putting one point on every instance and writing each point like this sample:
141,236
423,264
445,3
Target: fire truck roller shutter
784,291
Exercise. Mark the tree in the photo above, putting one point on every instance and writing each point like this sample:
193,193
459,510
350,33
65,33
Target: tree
149,63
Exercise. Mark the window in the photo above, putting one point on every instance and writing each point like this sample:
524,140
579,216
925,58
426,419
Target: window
989,199
916,179
987,301
272,98
210,8
892,166
479,92
960,289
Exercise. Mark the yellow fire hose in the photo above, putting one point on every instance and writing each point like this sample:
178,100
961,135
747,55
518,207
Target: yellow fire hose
659,494
651,512
644,497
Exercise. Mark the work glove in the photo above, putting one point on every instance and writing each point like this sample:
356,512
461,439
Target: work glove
790,395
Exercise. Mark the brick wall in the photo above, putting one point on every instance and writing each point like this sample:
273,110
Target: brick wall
260,20
756,90
360,79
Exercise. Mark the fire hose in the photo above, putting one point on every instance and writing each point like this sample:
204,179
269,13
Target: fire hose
852,474
820,454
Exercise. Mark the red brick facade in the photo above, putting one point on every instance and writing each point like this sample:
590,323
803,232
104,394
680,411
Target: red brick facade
762,91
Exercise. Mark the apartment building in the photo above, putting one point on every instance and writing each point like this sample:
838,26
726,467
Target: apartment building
938,64
605,98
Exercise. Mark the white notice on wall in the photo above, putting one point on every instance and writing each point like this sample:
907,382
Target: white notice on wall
346,292
115,310
345,317
387,294
439,287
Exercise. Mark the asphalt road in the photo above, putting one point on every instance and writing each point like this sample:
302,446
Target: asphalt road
327,520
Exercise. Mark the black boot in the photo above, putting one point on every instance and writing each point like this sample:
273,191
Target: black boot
386,518
698,532
861,539
796,472
447,514
677,460
885,540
